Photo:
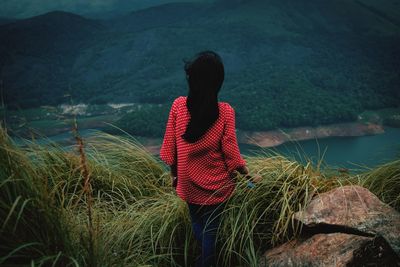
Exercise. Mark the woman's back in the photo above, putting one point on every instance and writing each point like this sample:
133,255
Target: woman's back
205,166
201,148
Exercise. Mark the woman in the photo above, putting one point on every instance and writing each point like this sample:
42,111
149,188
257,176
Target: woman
201,148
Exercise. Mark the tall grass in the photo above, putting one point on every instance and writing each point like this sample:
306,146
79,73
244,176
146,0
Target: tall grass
32,222
384,181
136,218
261,217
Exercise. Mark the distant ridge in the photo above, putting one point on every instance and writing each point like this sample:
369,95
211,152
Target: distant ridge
58,17
4,20
379,13
38,53
161,15
42,34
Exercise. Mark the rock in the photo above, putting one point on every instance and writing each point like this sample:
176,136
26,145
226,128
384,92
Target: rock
347,226
375,253
353,209
336,249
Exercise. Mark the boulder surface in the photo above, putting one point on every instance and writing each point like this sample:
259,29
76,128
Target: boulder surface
347,226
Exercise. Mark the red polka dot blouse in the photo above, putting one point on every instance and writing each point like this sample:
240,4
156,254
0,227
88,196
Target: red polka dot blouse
205,166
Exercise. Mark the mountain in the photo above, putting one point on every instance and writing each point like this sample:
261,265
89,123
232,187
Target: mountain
159,16
46,33
388,10
94,9
318,61
38,54
4,20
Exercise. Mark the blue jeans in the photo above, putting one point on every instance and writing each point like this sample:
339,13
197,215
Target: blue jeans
205,221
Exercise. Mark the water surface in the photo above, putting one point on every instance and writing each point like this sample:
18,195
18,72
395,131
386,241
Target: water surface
345,152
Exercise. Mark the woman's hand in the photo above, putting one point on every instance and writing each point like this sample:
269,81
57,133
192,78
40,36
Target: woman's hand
256,178
174,181
174,175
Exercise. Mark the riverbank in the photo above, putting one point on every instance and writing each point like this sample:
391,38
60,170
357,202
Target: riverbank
278,137
56,124
262,139
274,138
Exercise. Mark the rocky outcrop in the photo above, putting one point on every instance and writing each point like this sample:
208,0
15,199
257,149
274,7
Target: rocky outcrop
335,249
354,208
348,226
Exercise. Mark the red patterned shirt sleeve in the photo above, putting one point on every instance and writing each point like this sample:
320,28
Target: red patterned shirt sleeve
168,147
230,147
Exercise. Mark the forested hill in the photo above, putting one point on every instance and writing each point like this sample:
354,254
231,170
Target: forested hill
6,20
289,62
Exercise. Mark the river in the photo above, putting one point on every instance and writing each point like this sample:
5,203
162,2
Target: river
346,152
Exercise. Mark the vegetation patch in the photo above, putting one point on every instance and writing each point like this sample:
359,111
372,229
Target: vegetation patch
111,203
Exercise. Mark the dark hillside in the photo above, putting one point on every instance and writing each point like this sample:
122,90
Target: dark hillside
47,33
38,53
159,16
317,61
6,20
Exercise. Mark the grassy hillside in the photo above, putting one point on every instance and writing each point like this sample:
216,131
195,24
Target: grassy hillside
111,203
316,62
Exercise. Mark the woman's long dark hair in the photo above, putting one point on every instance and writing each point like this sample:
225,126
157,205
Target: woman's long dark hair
205,75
